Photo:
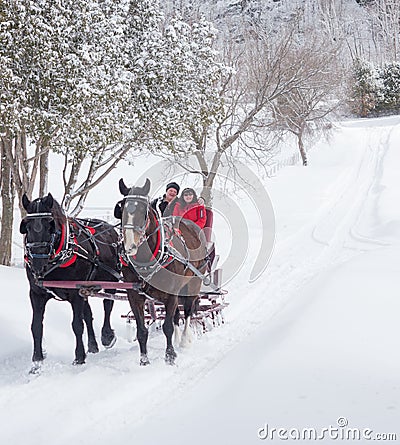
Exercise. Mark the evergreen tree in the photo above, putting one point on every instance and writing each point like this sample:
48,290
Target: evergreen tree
390,89
364,95
174,68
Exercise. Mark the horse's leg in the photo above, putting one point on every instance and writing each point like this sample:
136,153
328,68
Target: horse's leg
187,335
190,299
137,302
177,331
77,304
38,303
88,317
168,328
108,337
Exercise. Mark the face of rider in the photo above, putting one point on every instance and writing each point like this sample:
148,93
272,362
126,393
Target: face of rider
188,197
170,194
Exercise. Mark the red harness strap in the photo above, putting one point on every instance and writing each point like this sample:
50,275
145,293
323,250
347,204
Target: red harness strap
122,261
158,242
73,258
92,230
70,261
62,240
60,247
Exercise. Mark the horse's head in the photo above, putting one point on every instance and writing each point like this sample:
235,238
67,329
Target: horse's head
39,228
135,215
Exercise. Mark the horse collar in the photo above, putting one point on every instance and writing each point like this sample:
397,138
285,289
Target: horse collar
65,254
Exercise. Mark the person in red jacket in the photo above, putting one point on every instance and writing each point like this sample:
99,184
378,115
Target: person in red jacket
188,207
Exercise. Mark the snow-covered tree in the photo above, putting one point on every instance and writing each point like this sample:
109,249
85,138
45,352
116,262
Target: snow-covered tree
390,87
195,70
304,110
364,88
174,70
92,80
98,91
266,67
66,84
385,28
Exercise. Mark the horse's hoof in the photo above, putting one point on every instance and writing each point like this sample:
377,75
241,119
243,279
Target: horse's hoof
36,368
144,360
108,340
186,340
93,347
77,362
169,360
170,356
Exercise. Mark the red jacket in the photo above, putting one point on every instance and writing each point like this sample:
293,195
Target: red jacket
195,212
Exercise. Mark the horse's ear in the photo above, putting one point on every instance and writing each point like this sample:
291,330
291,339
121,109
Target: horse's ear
48,201
146,187
123,188
22,227
118,210
25,201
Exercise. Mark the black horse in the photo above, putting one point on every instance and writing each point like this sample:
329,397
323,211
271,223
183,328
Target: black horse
162,255
61,248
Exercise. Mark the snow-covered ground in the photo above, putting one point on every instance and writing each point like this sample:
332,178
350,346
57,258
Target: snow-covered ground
312,344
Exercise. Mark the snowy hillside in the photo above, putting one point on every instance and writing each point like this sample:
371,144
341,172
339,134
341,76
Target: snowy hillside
313,343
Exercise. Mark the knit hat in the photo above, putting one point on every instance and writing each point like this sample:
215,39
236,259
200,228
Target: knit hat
173,185
190,190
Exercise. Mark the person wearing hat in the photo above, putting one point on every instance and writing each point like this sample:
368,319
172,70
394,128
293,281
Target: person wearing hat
188,207
167,200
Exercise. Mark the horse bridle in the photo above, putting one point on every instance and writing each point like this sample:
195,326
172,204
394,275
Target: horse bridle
139,229
31,246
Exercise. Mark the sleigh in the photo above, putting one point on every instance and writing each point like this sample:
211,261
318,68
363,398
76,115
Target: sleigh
209,307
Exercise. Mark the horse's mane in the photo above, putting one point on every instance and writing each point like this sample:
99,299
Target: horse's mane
58,213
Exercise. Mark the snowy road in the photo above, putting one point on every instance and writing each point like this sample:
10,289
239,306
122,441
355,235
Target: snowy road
315,339
333,351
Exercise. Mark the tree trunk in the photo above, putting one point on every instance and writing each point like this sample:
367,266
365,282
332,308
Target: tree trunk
302,149
7,213
70,178
44,173
208,180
